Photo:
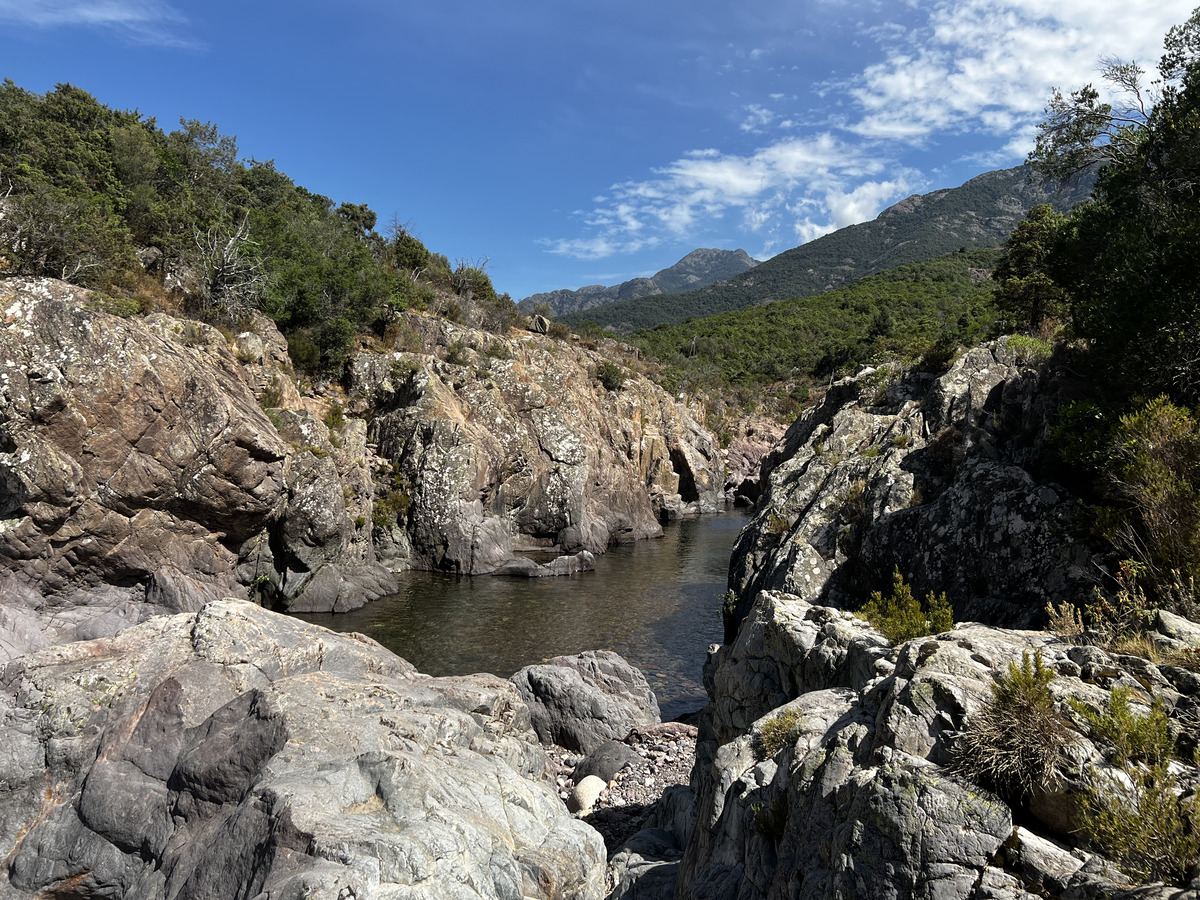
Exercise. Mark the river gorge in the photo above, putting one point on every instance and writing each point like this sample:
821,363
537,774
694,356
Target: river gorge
657,603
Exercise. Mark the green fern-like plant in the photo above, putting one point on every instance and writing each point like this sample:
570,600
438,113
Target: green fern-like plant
900,616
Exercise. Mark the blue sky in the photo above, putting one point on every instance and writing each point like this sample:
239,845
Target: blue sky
574,143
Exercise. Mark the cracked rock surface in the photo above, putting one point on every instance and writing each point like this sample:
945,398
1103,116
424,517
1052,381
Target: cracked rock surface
234,752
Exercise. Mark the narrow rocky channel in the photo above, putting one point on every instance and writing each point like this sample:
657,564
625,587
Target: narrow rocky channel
656,603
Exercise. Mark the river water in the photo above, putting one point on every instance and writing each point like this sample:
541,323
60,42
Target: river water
657,603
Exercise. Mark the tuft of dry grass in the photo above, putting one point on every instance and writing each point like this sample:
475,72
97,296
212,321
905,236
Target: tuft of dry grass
1014,743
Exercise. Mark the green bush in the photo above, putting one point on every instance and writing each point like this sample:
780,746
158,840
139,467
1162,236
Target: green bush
335,417
777,733
610,376
900,617
456,352
1013,744
1129,737
1139,821
1029,349
390,509
1156,468
117,306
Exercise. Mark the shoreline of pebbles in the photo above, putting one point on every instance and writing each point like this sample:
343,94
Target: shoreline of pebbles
632,775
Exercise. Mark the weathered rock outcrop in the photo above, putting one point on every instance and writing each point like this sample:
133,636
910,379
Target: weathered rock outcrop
149,465
234,752
931,475
137,465
863,799
507,445
581,701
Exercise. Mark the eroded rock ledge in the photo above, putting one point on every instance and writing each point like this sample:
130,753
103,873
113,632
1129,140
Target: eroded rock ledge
864,799
234,752
149,465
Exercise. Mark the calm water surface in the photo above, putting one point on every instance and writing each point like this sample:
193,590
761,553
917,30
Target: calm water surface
657,603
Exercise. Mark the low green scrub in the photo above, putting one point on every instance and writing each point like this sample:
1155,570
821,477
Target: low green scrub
777,733
1014,743
611,376
901,617
1138,818
1029,350
335,416
390,509
1130,738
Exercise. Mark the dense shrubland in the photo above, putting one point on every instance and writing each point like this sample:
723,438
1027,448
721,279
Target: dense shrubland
902,313
177,220
1121,273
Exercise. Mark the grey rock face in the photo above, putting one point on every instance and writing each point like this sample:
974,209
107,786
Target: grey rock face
137,465
236,753
864,799
930,475
159,463
605,761
510,445
579,702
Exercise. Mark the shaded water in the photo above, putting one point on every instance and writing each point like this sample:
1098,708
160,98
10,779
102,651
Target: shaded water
657,603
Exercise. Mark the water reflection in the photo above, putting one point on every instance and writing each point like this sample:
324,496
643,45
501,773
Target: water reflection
657,603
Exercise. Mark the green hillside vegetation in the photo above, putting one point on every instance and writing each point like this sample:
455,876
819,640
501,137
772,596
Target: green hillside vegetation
980,213
177,221
1123,271
895,314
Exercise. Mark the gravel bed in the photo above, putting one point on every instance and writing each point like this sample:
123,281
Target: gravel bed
666,753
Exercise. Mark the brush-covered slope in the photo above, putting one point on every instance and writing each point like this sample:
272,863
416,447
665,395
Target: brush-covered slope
980,213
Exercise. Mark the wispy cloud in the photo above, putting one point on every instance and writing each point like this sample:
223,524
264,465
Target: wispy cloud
946,70
793,188
982,66
137,21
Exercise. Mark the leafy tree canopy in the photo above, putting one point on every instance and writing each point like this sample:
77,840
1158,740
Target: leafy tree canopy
85,190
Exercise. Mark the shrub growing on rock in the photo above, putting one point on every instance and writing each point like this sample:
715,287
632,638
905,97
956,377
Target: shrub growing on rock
610,376
1015,742
777,733
1135,815
900,617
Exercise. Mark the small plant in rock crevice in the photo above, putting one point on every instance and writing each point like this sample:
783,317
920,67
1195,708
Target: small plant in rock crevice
1015,742
900,616
776,733
770,819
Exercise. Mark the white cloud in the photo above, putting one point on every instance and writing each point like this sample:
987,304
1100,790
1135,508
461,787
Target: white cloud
948,74
140,21
757,118
809,186
599,247
984,66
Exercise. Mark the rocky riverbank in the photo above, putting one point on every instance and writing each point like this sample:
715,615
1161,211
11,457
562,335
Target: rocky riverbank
832,764
152,464
234,752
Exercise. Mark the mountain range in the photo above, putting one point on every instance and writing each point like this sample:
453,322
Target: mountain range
698,269
980,213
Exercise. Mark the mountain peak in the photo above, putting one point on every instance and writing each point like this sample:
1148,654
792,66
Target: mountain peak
700,268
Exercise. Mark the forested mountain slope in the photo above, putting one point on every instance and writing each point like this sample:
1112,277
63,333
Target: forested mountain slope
696,270
980,213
